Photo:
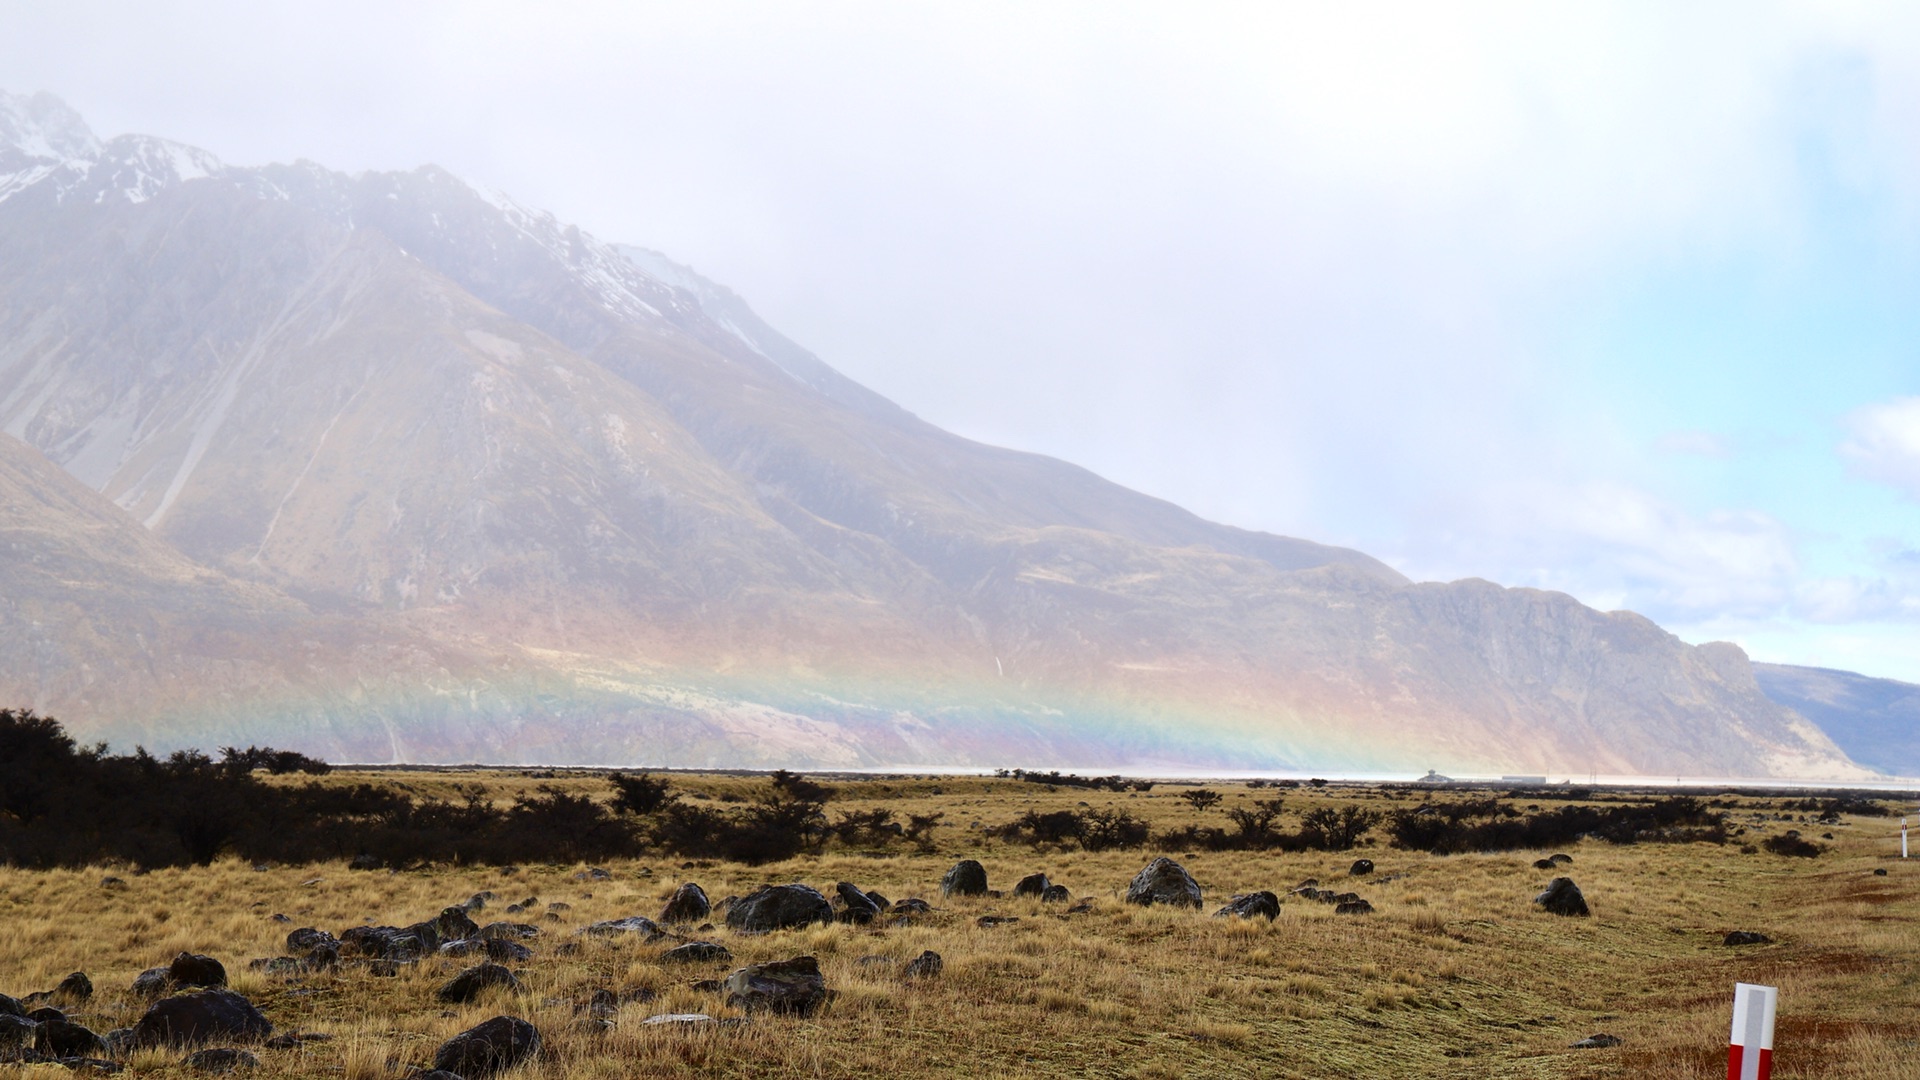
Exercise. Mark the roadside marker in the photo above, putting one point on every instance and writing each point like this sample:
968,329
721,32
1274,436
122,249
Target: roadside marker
1751,1055
1903,836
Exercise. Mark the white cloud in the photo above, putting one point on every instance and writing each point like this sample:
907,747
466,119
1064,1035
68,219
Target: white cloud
1883,444
1694,444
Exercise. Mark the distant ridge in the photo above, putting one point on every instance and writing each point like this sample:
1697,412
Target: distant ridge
1876,721
503,492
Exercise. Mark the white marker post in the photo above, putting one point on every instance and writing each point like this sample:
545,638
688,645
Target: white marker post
1751,1056
1903,836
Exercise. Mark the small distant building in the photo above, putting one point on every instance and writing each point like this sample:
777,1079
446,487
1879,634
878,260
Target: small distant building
1536,780
1434,778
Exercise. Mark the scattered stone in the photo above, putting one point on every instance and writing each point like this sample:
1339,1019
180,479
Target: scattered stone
778,907
194,969
1562,897
63,1038
151,983
75,987
1355,906
453,924
487,1048
1032,885
1055,894
200,1017
558,906
1561,859
1305,885
1545,864
1360,868
11,1006
224,1059
696,952
634,924
1249,905
476,980
478,901
603,1005
966,878
1597,1041
46,1015
679,1020
1081,908
307,939
1879,871
1746,937
879,901
687,904
855,906
363,862
912,905
988,922
925,966
794,987
1164,881
594,874
111,882
501,931
15,1032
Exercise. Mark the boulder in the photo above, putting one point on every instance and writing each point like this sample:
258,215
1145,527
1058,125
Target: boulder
855,906
1559,859
1055,894
453,924
193,969
1355,906
793,987
307,939
778,907
879,900
687,904
500,931
474,981
925,966
224,1059
966,878
75,987
1597,1041
200,1017
648,930
1032,885
10,1006
1562,897
1249,905
912,905
63,1038
1360,868
46,1014
696,952
488,1047
16,1032
1164,881
1545,864
1746,937
151,983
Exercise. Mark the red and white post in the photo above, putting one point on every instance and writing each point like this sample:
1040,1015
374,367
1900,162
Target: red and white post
1751,1057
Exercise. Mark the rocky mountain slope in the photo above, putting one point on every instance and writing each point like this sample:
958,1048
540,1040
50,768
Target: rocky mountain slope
554,499
1876,721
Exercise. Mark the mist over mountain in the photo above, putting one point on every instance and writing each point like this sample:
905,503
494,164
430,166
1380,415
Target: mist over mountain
390,467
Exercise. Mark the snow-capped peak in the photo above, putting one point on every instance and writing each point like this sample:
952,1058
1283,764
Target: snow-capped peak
44,140
41,127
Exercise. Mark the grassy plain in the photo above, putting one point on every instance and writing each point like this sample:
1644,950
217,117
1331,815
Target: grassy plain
1455,974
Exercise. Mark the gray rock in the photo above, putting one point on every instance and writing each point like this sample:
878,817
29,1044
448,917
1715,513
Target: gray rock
194,969
1545,864
912,905
1356,906
151,983
1251,905
1055,894
489,1047
1746,937
793,987
476,980
1360,868
925,966
855,906
200,1017
696,952
1032,885
75,987
1562,897
307,939
10,1006
687,904
1164,881
223,1059
778,907
500,931
452,924
646,928
679,1020
1597,1041
966,878
1560,859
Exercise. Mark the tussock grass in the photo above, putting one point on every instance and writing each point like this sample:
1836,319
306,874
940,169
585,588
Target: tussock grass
1455,974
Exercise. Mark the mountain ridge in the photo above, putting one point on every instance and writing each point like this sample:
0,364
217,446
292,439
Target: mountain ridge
621,511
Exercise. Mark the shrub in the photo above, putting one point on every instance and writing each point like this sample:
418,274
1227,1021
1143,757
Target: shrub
1791,845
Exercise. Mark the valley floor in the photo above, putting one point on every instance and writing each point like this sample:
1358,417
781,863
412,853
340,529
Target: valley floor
1454,974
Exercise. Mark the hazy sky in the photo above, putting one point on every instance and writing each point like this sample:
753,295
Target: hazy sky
1617,299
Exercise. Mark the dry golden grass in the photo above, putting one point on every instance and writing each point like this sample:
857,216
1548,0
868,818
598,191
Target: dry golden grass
1454,975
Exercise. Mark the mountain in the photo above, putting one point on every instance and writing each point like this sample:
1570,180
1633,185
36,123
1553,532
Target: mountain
561,500
1876,721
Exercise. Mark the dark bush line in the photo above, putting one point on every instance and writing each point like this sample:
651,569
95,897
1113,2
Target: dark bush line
1254,829
1491,825
1056,778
